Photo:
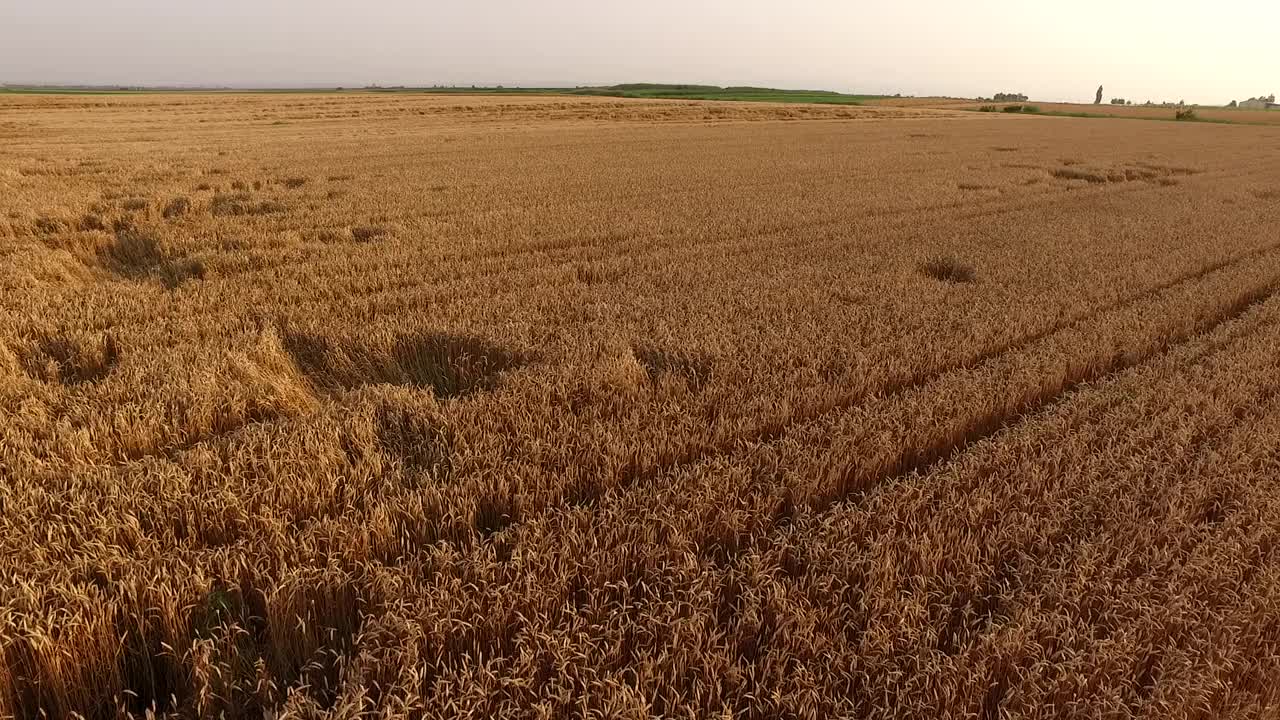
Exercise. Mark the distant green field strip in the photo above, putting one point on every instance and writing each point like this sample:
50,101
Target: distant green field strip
635,90
734,94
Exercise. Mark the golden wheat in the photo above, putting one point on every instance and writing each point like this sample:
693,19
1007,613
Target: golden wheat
398,405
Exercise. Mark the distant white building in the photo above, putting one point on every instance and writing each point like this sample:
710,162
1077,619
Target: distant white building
1258,104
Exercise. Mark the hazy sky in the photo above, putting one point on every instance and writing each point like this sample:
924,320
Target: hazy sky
1200,50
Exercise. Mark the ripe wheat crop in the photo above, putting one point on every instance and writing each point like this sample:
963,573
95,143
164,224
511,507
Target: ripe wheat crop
430,406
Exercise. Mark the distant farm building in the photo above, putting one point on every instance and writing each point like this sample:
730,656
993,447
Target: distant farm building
1259,104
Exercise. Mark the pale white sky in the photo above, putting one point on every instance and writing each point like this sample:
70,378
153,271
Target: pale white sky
1207,51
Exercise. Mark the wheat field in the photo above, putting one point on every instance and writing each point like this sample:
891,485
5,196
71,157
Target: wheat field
409,406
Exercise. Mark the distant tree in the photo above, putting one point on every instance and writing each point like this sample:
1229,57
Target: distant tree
1009,97
1232,104
1118,101
1271,98
1097,100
